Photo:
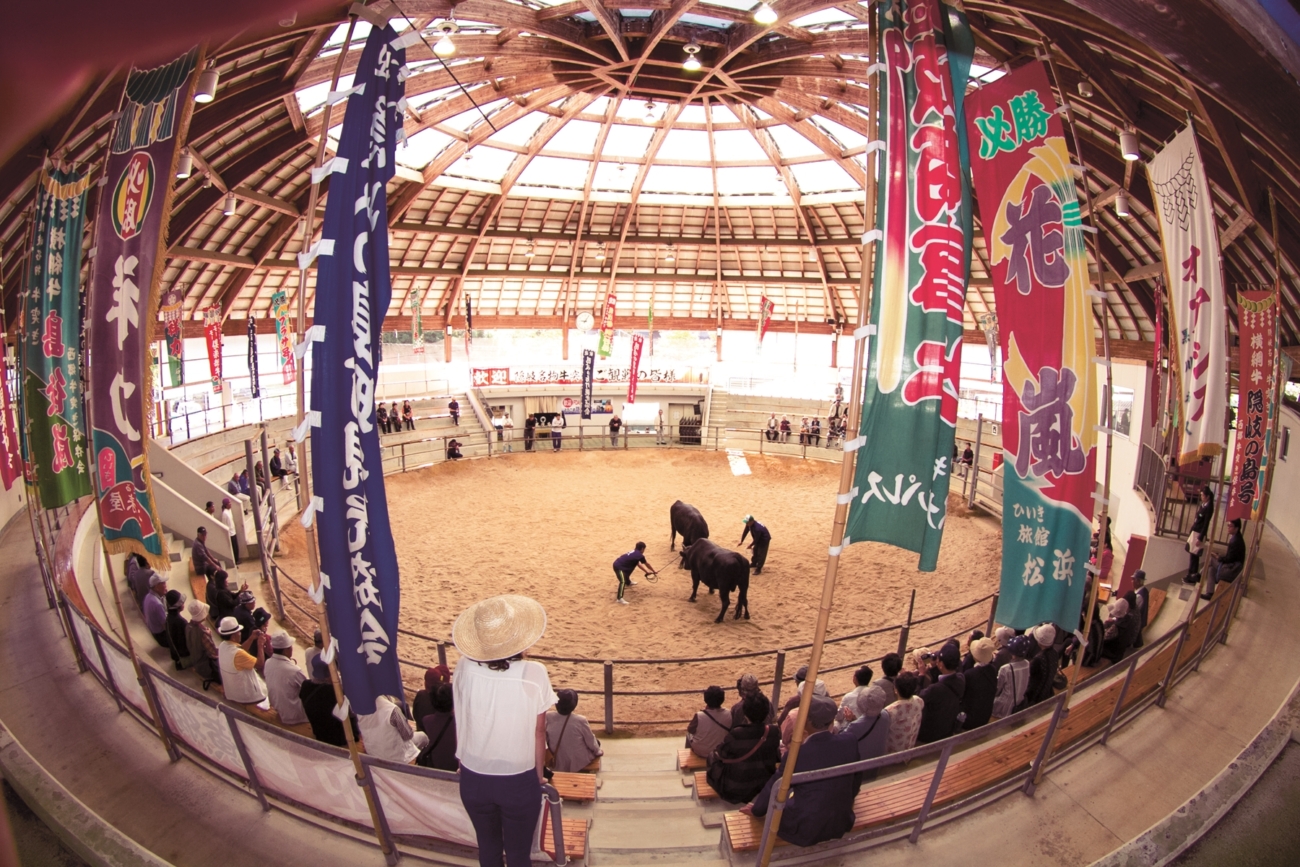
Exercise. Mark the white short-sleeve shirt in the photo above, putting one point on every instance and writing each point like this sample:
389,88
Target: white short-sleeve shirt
496,715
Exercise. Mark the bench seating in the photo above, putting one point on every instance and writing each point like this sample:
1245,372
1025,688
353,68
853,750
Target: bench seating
703,791
575,786
575,837
687,760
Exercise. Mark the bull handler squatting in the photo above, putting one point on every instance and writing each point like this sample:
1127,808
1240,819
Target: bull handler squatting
762,538
629,562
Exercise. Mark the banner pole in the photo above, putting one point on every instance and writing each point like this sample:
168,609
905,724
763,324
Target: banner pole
304,468
847,466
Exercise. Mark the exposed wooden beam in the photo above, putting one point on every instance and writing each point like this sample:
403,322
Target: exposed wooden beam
1225,133
1069,43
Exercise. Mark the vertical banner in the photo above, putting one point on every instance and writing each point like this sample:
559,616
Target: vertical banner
909,410
606,343
1032,229
212,337
469,325
637,343
283,338
1156,408
1256,330
51,341
353,289
171,308
588,375
1196,303
254,380
765,308
123,301
11,463
417,324
650,328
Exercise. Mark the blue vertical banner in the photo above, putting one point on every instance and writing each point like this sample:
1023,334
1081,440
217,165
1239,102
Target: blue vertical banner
357,558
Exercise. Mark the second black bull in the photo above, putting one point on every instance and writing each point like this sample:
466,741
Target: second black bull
718,569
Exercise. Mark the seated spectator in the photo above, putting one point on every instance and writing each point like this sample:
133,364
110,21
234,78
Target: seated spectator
262,623
240,670
221,599
747,685
1104,563
408,415
791,711
244,487
422,706
1121,630
201,558
747,756
890,666
904,714
453,451
317,696
981,685
800,675
277,467
869,730
1229,566
440,726
175,627
155,609
259,476
244,613
708,727
317,645
924,667
138,574
785,429
941,715
1139,602
804,431
968,661
569,736
849,704
232,486
381,416
284,680
1013,678
822,810
388,733
1002,641
204,658
290,459
815,432
1045,665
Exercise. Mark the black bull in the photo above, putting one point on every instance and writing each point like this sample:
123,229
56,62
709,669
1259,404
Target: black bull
718,569
687,520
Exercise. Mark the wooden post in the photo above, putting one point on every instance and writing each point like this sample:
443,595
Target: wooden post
905,630
993,612
777,677
609,696
974,469
255,492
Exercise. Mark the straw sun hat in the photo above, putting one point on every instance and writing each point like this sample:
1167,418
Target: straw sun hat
498,627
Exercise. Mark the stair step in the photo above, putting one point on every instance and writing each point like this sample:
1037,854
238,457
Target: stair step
637,836
655,785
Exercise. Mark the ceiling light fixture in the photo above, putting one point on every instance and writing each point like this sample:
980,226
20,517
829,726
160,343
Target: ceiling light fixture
1085,88
184,164
650,111
600,251
230,205
1128,146
206,90
529,252
812,255
444,47
1121,205
692,63
765,15
670,256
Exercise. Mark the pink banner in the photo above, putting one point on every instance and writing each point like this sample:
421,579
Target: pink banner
10,458
1256,326
212,336
637,342
765,308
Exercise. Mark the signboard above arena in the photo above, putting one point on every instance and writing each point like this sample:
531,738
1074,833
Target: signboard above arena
572,375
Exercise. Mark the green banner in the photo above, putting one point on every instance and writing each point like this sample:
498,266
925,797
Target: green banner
51,341
909,408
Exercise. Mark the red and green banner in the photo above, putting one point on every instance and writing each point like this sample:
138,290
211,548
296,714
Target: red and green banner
765,310
122,303
637,342
51,341
11,459
171,308
212,337
909,410
1030,214
280,312
1256,362
606,343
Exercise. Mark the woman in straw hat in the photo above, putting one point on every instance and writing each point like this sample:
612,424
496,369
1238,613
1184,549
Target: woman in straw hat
500,704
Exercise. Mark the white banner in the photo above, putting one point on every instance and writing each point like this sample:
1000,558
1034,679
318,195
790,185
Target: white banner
417,806
1195,280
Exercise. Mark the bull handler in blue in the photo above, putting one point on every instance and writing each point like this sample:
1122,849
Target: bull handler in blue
761,539
624,567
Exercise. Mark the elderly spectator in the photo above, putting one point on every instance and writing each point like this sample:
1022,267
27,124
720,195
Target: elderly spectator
800,675
221,599
1013,678
317,697
240,670
804,431
890,666
1002,641
747,757
232,486
228,521
155,609
138,574
1044,666
201,558
381,417
981,685
709,726
284,680
408,415
747,685
204,656
785,429
1229,566
244,613
815,432
1139,599
968,661
388,733
440,726
569,736
849,704
773,428
941,716
175,628
277,467
1121,630
869,730
290,459
422,706
904,714
924,666
821,810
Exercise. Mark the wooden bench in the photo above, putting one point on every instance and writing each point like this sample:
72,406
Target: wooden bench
703,791
687,760
575,786
575,837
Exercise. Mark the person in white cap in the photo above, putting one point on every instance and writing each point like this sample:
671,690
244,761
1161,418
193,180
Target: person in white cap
204,654
155,609
240,669
500,704
283,680
1044,666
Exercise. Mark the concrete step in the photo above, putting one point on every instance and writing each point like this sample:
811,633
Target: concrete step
637,832
660,785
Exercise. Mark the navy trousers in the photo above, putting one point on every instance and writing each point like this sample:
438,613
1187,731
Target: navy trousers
504,810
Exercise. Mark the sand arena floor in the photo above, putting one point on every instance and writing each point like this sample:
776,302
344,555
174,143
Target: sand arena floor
549,526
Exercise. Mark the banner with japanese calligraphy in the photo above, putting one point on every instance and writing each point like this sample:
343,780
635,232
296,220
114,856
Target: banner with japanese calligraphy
51,340
417,323
588,376
123,299
909,409
573,375
358,561
1256,330
11,458
637,342
1198,349
283,337
254,379
606,343
212,337
173,303
1029,212
765,308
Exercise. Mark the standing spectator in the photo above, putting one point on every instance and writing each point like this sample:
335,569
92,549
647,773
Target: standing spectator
904,714
661,431
204,657
614,424
773,428
501,701
815,432
1229,566
202,560
941,715
709,726
1196,541
499,427
1104,562
804,431
1138,602
747,757
408,415
508,427
1013,678
240,670
422,706
155,609
530,432
569,736
762,538
388,733
453,407
284,680
558,424
175,627
228,519
440,726
785,429
381,416
981,685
